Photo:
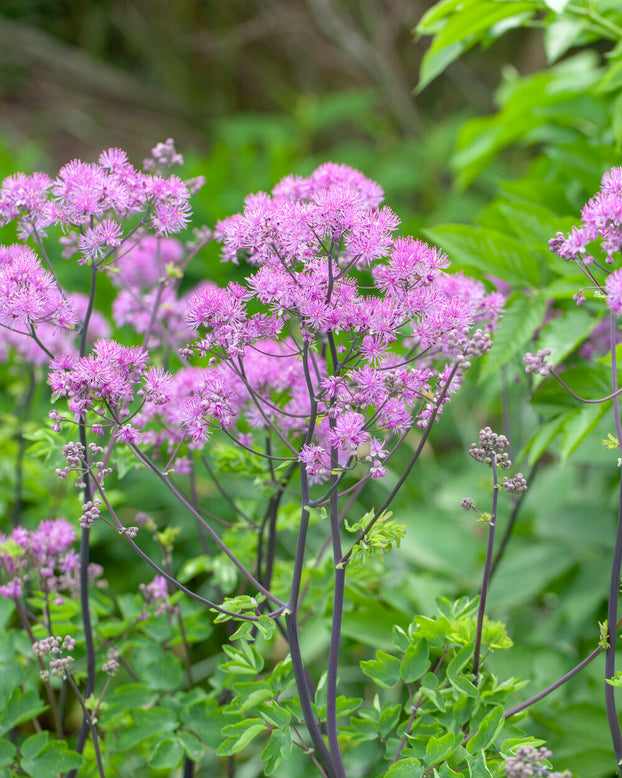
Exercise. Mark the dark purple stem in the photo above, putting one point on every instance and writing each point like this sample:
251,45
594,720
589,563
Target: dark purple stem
487,570
616,564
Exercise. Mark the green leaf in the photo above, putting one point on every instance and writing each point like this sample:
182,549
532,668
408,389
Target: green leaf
405,768
487,731
275,716
477,766
279,747
415,661
193,748
563,334
459,660
463,685
429,686
166,754
435,61
523,315
21,706
33,745
133,695
383,670
8,750
54,758
240,735
578,424
164,673
440,748
561,35
489,251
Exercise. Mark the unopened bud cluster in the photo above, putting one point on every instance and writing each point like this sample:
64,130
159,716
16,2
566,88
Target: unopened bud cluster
112,665
52,646
491,445
538,363
90,513
515,485
527,762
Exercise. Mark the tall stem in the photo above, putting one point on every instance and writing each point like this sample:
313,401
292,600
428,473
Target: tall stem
335,634
616,564
84,545
487,569
291,621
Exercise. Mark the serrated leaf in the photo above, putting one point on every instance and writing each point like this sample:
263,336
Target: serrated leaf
578,424
561,35
434,62
415,662
522,317
489,251
563,334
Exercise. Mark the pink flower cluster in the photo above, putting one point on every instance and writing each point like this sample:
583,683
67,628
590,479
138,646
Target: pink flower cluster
95,199
42,556
601,220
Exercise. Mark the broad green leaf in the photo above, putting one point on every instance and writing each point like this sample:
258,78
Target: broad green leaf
275,716
487,731
166,754
435,61
388,719
561,35
21,706
522,317
132,695
563,334
578,424
193,747
408,767
488,251
165,673
415,662
8,750
54,758
34,744
439,748
429,687
383,670
541,440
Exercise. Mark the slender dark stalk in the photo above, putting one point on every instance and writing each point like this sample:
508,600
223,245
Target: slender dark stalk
487,569
335,633
88,718
84,546
616,565
292,633
560,682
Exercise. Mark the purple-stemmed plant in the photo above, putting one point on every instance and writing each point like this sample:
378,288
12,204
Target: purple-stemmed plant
343,342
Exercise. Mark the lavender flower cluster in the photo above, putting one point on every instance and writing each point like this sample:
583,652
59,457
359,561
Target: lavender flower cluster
340,324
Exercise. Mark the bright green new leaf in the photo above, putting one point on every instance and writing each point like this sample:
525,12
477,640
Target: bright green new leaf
440,748
415,662
383,670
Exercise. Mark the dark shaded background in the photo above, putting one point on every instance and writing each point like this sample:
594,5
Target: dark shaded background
77,77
